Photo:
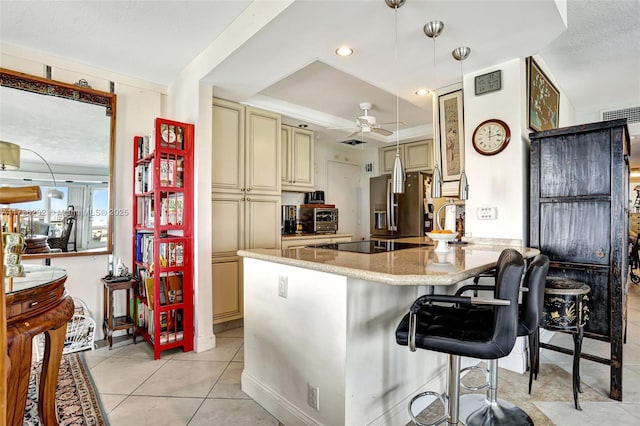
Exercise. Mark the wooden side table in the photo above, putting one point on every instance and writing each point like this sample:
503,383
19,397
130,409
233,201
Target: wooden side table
112,323
37,303
565,309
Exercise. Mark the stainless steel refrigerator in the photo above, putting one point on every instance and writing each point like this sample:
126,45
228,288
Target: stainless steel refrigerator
397,215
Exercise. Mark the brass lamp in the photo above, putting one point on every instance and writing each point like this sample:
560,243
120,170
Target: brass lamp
10,159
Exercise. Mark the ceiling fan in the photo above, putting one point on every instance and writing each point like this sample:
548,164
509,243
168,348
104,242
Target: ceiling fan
367,123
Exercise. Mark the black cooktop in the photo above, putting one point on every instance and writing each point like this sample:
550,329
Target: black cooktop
368,247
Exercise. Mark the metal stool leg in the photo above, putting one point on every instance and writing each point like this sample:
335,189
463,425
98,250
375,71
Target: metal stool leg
450,401
480,410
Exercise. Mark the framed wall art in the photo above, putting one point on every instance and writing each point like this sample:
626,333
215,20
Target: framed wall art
450,112
543,99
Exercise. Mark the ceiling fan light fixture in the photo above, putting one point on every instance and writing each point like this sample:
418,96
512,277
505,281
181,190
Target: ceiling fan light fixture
344,51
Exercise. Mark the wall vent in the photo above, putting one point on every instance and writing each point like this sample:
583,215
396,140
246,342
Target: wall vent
632,114
353,142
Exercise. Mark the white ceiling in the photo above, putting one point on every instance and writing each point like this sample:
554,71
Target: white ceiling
289,66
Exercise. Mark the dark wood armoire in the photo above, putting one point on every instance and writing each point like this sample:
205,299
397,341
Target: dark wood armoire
579,202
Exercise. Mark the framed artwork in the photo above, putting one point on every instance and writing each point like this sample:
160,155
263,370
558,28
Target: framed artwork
543,99
451,135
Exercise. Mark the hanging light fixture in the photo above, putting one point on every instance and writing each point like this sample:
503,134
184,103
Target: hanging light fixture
432,30
397,177
460,54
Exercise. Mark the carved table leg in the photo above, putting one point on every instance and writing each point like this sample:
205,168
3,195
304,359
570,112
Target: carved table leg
19,349
577,343
54,343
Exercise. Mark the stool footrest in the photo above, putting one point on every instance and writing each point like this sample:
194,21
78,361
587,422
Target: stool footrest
444,400
474,388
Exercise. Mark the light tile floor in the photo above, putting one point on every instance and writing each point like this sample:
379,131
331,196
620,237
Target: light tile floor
204,388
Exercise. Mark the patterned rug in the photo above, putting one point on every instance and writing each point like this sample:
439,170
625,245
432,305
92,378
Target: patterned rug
76,398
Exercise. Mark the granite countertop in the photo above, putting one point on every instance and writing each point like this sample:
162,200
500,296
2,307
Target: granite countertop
413,266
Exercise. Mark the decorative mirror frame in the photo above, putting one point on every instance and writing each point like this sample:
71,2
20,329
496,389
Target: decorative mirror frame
47,87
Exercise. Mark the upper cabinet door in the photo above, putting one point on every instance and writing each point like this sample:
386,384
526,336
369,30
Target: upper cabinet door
418,155
298,151
227,156
302,158
285,147
263,154
575,165
388,158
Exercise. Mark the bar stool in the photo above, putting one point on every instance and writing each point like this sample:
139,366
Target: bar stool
566,309
464,329
476,409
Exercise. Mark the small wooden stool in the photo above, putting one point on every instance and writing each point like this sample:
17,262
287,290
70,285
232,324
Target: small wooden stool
123,322
565,309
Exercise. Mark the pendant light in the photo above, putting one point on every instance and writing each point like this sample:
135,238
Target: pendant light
460,54
397,177
432,30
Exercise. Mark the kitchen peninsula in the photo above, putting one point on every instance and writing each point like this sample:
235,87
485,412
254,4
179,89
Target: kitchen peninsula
319,329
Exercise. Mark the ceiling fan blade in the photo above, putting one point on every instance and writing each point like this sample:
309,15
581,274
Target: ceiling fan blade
393,122
382,132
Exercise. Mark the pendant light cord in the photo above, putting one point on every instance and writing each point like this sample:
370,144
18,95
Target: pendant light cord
395,11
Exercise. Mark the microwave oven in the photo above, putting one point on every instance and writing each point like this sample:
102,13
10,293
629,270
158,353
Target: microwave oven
319,220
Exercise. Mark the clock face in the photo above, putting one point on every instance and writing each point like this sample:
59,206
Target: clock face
491,137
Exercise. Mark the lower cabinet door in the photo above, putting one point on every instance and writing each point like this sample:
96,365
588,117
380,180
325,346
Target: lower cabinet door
227,289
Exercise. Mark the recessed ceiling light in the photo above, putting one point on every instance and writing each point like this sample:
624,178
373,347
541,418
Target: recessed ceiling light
344,51
422,92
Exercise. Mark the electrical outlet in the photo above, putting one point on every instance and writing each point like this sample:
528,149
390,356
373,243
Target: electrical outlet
283,286
313,396
487,213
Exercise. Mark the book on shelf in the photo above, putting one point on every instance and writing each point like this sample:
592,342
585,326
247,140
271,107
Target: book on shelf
148,284
174,285
171,209
145,146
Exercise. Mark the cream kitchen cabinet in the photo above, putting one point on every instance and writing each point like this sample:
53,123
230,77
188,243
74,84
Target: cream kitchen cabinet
245,199
246,147
305,240
240,221
297,159
414,155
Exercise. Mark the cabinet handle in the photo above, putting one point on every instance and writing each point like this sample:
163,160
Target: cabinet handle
248,199
599,253
248,189
32,304
242,189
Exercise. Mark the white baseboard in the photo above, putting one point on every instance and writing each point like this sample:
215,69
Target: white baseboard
204,343
279,407
289,414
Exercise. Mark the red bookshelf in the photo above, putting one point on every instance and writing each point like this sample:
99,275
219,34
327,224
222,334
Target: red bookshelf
163,235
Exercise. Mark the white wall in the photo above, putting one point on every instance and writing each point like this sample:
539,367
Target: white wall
359,155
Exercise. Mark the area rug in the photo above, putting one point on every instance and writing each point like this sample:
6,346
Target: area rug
553,384
76,399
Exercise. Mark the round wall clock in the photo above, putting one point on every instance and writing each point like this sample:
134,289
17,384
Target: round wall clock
491,137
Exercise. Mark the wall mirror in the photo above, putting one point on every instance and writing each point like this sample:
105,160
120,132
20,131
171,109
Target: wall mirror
66,136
